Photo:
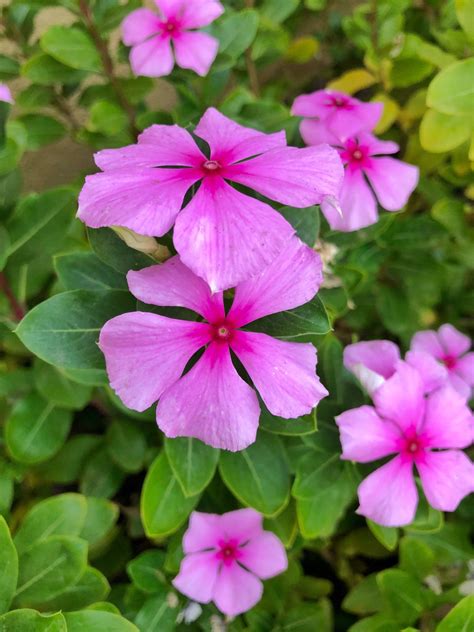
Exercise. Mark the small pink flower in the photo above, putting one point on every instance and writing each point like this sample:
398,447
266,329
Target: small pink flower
5,94
146,353
340,113
375,361
150,35
226,557
392,181
450,348
223,235
413,426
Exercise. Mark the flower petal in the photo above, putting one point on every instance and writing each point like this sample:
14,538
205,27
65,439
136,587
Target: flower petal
377,146
315,132
241,524
196,51
465,368
365,436
431,371
298,177
230,142
428,342
264,555
459,385
284,373
236,590
172,284
357,202
453,341
152,58
392,180
388,496
448,420
212,403
447,477
204,532
158,146
144,200
138,26
225,237
400,398
380,356
146,353
198,576
198,13
291,280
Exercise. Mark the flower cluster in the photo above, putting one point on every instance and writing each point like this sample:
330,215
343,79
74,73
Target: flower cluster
346,123
420,414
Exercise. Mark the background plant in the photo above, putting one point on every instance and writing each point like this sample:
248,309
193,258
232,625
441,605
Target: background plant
91,493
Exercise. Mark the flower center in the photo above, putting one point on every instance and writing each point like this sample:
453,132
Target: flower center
357,154
211,166
338,102
449,362
169,27
228,551
223,332
413,446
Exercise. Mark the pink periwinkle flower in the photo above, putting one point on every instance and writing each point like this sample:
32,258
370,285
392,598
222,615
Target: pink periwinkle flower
5,94
146,353
374,361
426,431
150,35
449,347
343,115
223,235
226,557
391,181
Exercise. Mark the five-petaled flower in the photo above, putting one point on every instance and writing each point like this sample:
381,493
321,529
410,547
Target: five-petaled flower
223,235
414,426
450,348
146,353
342,115
226,557
392,180
150,35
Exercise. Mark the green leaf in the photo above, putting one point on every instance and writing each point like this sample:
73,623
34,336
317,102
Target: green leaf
85,271
71,47
53,385
4,245
163,506
26,620
64,329
304,221
278,11
309,617
115,253
193,463
35,96
376,623
91,587
48,568
101,517
126,444
316,471
39,222
460,618
8,567
452,90
36,429
107,118
364,598
465,13
157,615
443,132
101,476
290,427
285,525
97,621
145,571
60,515
387,536
416,557
258,476
44,70
42,130
236,32
308,320
403,595
66,466
9,68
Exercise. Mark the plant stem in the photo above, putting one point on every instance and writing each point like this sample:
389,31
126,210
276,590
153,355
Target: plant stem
17,308
249,62
107,63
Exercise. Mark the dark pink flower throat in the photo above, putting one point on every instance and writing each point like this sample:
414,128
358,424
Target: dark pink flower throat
228,551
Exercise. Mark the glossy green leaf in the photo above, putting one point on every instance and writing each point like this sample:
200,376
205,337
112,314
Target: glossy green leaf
403,595
387,536
145,571
163,506
8,567
308,320
452,90
258,476
115,253
365,598
26,620
36,429
101,477
304,221
91,587
460,618
64,329
66,466
416,557
42,130
157,614
443,132
45,70
126,444
71,47
193,463
101,516
97,621
85,271
287,427
52,384
236,32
